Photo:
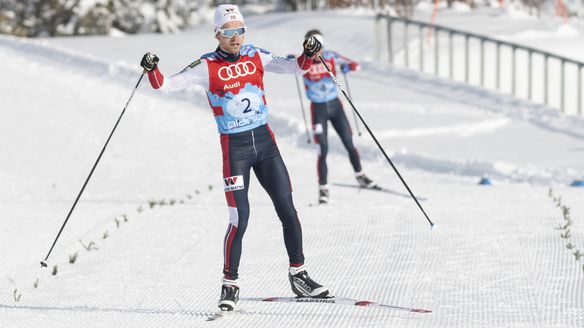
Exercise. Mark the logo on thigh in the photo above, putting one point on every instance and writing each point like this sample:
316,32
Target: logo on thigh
233,183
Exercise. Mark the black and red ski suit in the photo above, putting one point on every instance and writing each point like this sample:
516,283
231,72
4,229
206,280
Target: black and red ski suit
234,87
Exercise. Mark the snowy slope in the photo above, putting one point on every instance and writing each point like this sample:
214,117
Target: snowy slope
477,132
495,260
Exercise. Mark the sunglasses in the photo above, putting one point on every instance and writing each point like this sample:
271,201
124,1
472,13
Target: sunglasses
230,32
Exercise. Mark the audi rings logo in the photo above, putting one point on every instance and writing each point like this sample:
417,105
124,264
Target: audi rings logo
237,70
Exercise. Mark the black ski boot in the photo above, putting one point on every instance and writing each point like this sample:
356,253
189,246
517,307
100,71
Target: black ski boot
323,194
365,182
303,286
229,295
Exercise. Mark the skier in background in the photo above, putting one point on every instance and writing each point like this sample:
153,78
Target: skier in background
326,106
233,78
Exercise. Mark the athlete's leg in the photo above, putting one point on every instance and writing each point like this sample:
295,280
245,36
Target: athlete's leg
236,182
341,125
319,129
273,176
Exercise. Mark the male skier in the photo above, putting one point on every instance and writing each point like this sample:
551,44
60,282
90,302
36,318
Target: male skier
232,76
326,106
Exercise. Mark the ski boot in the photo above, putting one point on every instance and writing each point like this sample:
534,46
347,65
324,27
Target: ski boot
229,295
364,181
323,194
303,286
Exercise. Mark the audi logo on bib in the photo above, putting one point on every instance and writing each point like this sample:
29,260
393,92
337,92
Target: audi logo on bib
236,70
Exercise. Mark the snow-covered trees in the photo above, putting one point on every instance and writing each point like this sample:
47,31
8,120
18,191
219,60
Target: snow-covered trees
80,17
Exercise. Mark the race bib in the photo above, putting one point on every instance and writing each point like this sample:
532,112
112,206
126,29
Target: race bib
244,104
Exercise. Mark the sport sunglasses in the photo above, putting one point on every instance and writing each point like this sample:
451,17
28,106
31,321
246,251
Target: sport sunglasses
230,32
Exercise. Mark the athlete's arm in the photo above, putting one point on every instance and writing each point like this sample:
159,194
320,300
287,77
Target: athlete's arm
282,65
194,74
346,63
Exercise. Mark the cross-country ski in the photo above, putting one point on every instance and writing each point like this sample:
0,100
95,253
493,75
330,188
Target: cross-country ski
336,300
376,188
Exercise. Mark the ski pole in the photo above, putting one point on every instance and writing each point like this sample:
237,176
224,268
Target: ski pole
302,108
44,263
375,139
351,97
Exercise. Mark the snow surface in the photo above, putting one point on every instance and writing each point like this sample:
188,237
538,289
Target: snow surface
496,259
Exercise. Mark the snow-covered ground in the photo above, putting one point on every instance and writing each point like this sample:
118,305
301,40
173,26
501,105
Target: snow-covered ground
496,258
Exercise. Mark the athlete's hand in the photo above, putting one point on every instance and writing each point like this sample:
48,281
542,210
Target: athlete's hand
311,46
291,56
346,68
149,61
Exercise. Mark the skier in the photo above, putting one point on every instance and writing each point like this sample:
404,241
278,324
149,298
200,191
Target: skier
326,106
232,76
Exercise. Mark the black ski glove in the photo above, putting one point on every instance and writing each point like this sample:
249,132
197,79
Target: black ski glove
311,46
149,61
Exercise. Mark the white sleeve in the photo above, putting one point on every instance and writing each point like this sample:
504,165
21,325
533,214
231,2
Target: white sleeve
196,73
277,64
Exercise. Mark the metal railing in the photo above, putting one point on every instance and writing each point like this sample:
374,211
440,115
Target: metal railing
567,87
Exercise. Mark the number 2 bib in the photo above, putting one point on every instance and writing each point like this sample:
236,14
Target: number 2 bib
236,92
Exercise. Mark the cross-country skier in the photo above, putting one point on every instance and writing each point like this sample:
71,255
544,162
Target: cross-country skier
232,76
326,106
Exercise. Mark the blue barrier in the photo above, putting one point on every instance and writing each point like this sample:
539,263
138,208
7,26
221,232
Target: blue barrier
577,183
485,182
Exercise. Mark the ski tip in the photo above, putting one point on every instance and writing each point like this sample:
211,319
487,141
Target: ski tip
420,311
43,264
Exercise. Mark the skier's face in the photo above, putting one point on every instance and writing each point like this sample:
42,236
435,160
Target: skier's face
231,44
